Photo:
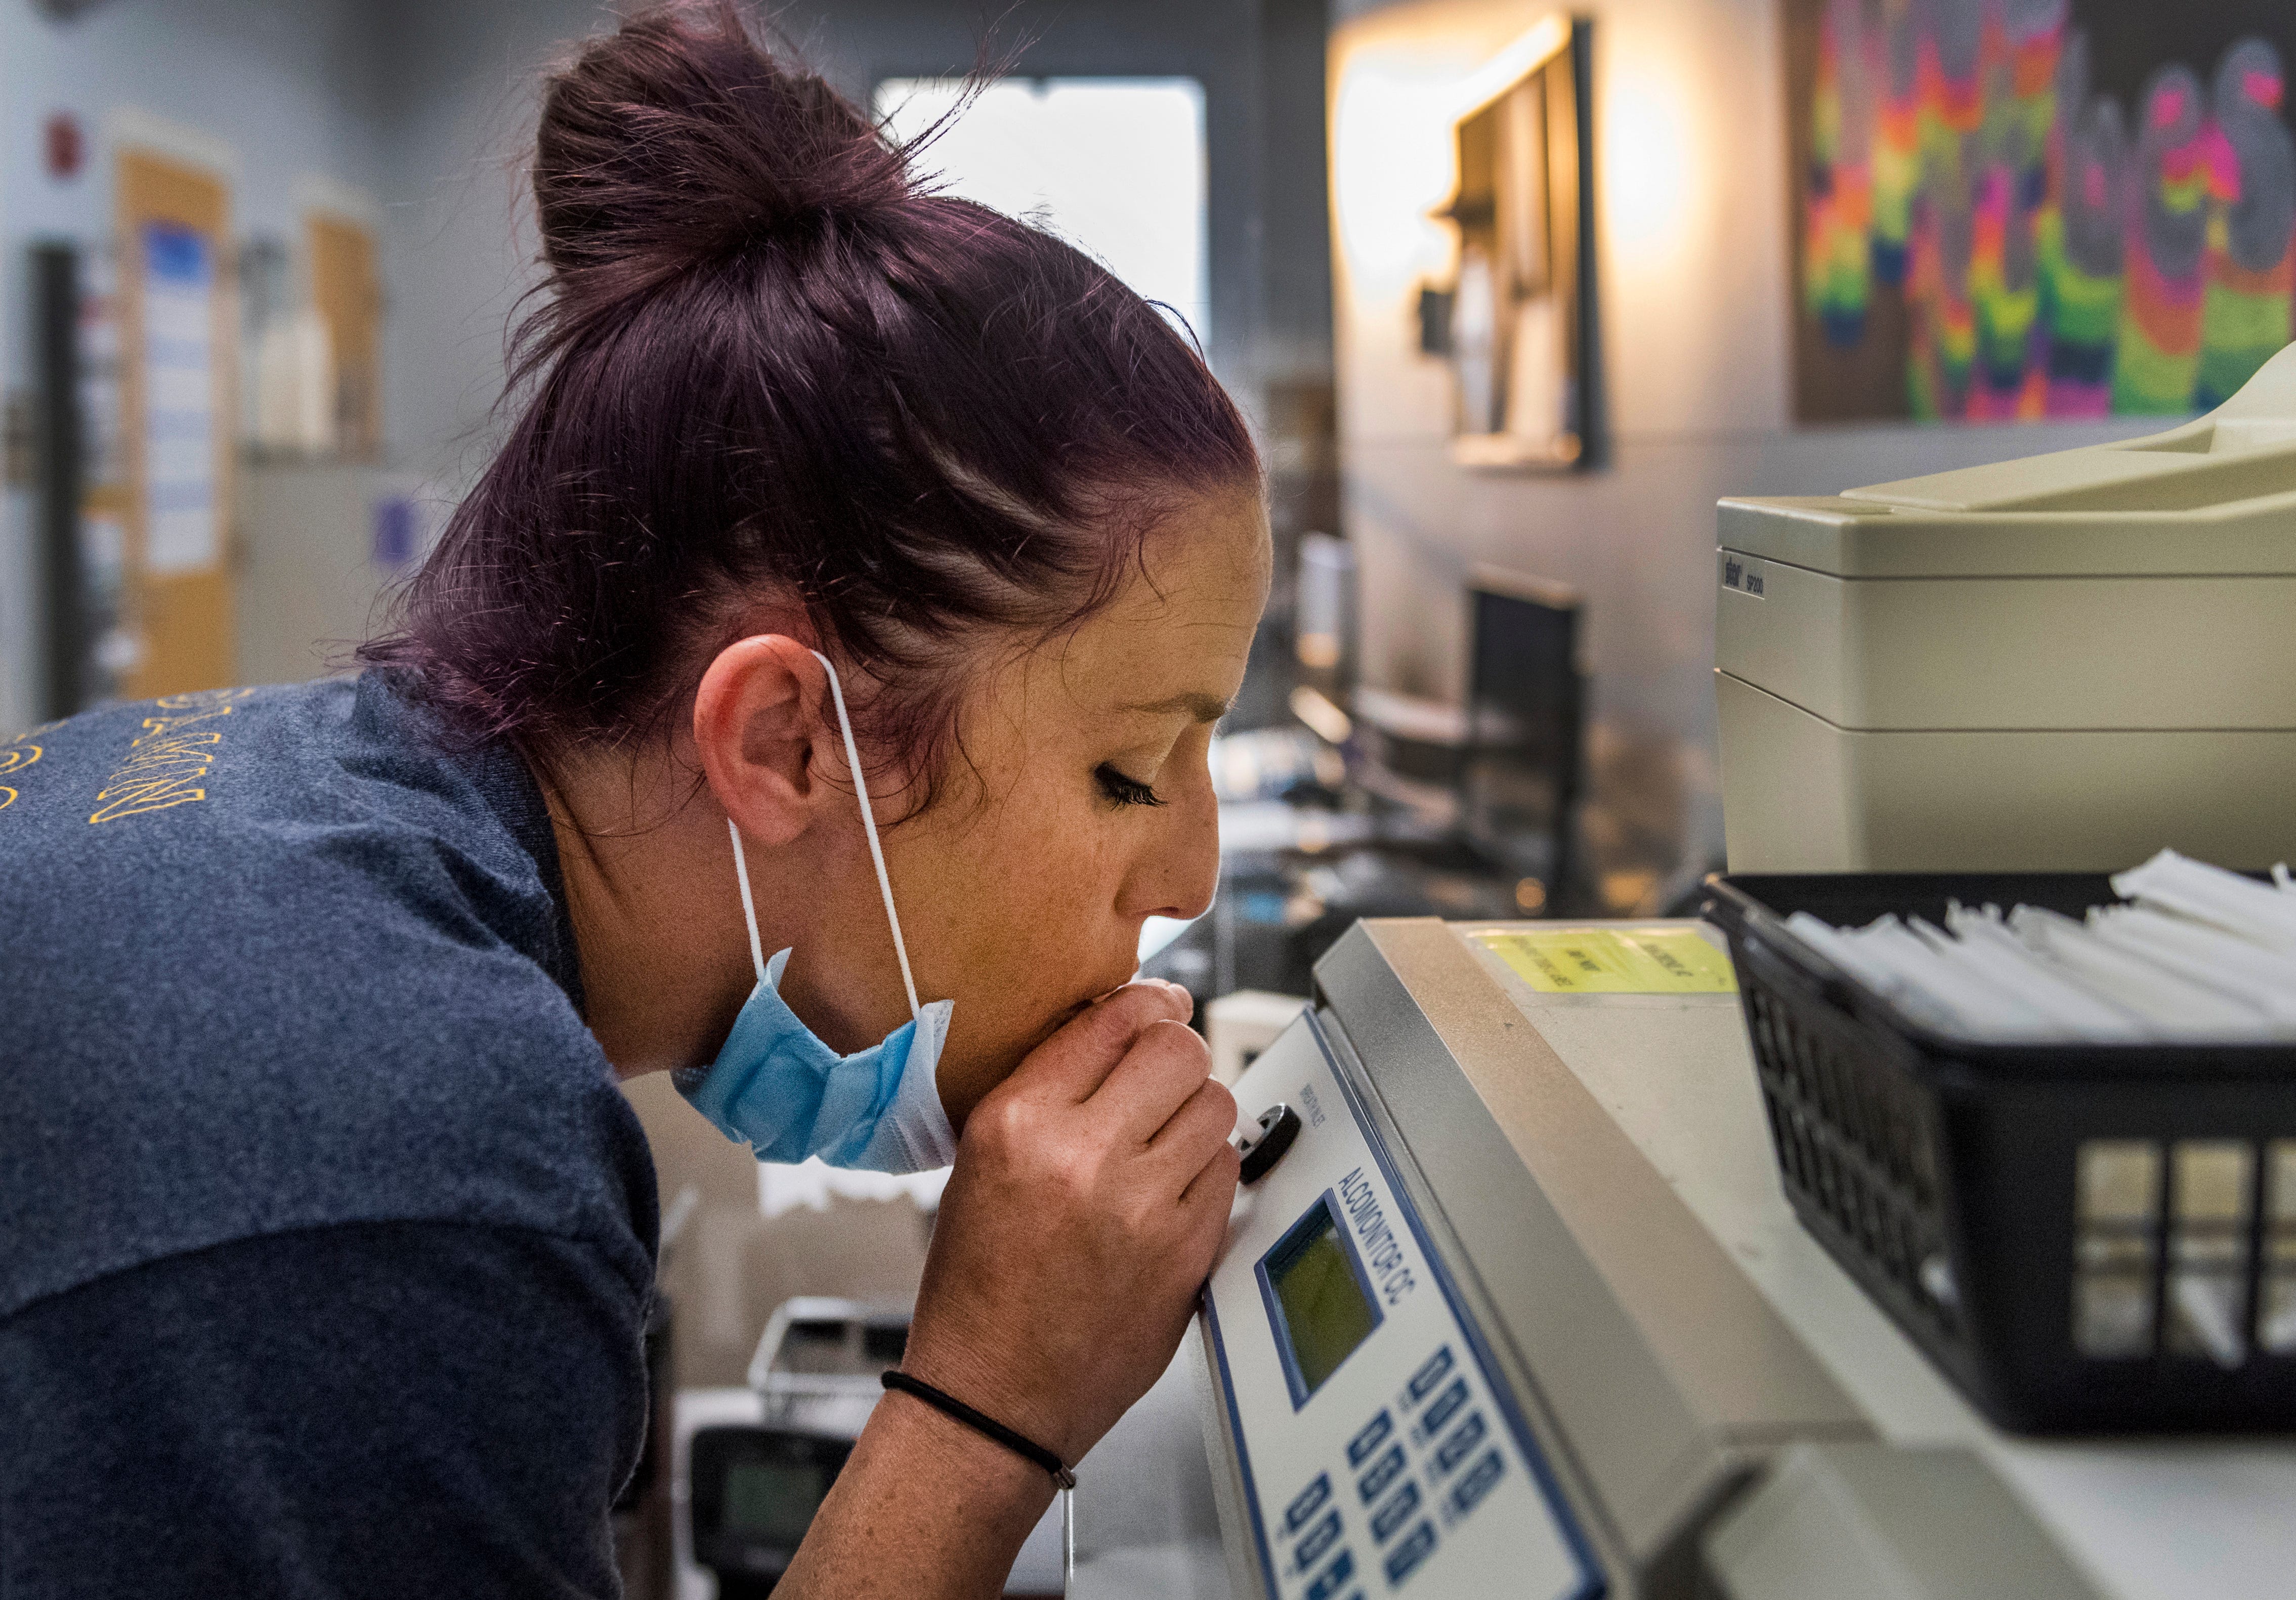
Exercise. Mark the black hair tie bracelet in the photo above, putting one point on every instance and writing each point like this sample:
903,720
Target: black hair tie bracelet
987,1427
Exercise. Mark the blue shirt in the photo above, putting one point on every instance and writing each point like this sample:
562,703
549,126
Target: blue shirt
326,1238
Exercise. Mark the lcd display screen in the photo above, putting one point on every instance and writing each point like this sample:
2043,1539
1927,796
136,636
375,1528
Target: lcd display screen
1324,1312
774,1501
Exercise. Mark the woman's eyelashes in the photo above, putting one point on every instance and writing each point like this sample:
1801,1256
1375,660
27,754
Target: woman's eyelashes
1123,791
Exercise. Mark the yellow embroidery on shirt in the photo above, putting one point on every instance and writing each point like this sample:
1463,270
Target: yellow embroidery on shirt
16,760
164,761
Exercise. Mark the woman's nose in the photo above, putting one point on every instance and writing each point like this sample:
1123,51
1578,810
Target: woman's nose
1181,871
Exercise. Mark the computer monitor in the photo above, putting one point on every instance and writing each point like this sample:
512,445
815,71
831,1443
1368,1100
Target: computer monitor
1519,778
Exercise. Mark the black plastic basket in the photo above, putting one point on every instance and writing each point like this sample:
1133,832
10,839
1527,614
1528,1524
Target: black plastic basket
2086,1238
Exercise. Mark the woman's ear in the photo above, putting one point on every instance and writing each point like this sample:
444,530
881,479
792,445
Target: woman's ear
758,728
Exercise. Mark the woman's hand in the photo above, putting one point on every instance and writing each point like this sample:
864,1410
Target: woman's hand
1092,1191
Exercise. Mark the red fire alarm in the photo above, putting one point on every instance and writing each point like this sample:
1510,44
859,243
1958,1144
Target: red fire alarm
65,147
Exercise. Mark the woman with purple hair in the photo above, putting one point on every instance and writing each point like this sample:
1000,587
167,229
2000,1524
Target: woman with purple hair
812,701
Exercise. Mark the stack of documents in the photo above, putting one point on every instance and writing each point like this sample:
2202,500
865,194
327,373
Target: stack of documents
2199,954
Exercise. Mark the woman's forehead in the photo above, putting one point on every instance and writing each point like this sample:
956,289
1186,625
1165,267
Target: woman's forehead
1174,639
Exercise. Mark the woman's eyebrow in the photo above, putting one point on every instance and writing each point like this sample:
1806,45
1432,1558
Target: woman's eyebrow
1201,707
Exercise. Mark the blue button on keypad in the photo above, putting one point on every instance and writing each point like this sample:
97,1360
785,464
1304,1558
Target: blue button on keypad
1441,1408
1327,1583
1309,1502
1373,1435
1317,1539
1398,1511
1469,1490
1430,1374
1414,1549
1463,1438
1382,1473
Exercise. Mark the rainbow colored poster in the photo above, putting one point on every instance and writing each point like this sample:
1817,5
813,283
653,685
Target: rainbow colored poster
2016,210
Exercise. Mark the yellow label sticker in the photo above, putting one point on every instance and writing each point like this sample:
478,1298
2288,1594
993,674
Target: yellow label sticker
1615,961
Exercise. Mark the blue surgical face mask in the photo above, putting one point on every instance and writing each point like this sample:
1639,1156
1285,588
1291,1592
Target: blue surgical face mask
777,1087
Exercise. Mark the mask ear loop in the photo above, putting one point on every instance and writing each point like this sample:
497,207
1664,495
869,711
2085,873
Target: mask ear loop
869,821
876,854
748,907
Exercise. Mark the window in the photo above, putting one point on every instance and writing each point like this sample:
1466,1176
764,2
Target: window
1113,165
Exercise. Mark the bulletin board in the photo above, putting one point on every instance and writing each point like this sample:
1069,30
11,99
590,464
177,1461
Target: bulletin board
176,332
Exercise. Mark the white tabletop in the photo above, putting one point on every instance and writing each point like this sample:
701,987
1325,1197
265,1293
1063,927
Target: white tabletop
2149,1520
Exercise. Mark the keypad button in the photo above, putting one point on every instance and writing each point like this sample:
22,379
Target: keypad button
1309,1502
1443,1407
1397,1511
1430,1374
1468,1492
1416,1548
1463,1438
1373,1435
1317,1539
1382,1473
1328,1582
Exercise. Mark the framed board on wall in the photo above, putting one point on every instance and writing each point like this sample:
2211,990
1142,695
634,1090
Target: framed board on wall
2018,209
176,334
346,292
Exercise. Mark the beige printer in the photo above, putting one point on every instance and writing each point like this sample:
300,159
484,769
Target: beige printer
2061,663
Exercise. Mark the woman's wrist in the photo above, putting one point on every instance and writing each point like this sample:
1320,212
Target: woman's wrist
970,1456
954,1367
984,1424
999,1495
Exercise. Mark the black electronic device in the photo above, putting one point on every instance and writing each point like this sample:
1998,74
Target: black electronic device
1519,774
755,1491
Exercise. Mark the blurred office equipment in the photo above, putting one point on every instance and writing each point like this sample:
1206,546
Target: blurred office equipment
757,1465
312,320
290,389
1238,1026
753,1486
754,1489
1324,615
755,1492
1526,715
2063,663
347,293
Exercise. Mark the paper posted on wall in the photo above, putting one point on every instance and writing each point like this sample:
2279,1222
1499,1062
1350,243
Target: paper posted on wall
180,526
